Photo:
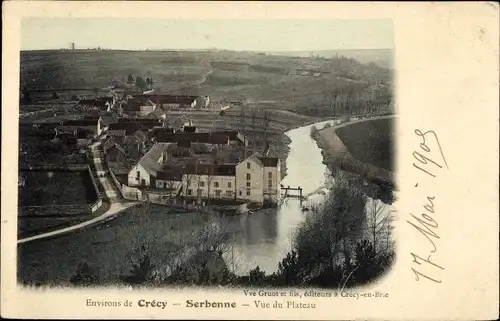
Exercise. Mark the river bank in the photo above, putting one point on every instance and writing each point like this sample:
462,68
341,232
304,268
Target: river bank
261,239
371,147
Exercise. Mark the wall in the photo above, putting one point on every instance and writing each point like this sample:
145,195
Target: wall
194,185
143,174
275,190
169,184
131,193
55,210
256,182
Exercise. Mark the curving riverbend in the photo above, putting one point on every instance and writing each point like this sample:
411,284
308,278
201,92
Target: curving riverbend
261,239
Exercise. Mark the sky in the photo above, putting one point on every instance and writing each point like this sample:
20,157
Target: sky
252,35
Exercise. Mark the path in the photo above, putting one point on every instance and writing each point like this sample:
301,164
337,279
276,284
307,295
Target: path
118,204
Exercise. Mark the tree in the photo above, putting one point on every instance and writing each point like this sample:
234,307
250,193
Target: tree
141,270
130,79
84,276
26,95
314,131
140,83
378,224
328,236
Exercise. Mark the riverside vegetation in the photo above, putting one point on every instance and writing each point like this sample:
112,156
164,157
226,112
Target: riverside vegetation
342,243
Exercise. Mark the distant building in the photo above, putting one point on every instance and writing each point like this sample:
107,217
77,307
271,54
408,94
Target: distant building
138,107
92,124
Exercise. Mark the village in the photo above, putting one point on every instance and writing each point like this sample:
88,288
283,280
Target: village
141,147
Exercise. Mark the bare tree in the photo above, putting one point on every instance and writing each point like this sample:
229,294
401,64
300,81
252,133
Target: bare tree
378,223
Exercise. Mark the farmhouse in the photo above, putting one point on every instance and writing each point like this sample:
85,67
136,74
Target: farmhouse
92,124
211,139
138,107
145,171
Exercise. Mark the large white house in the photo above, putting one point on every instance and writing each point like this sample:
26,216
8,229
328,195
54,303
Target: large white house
258,178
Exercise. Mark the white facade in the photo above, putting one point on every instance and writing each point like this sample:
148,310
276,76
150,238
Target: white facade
272,182
249,180
138,176
217,186
160,183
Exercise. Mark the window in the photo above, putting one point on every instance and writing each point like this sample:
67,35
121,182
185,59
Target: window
248,165
202,184
190,192
248,184
165,185
199,191
269,183
240,193
270,175
229,184
229,193
217,193
138,175
248,176
216,184
248,192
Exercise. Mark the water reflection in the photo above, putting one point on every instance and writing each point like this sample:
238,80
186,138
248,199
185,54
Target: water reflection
265,237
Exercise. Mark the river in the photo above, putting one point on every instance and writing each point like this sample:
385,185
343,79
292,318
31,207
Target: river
261,239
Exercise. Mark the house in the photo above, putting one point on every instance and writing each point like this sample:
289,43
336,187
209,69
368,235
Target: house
209,181
258,178
158,114
83,137
135,144
138,107
169,177
171,101
144,172
92,124
86,103
127,128
202,102
189,129
211,139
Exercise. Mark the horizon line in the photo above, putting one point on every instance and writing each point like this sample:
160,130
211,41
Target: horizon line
207,49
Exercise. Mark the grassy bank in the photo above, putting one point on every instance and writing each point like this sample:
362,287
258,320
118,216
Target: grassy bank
357,149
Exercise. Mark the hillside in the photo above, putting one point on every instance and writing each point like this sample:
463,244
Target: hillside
307,85
382,57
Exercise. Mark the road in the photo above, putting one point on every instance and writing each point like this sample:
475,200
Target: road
118,204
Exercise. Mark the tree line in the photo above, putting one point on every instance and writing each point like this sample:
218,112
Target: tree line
140,83
344,242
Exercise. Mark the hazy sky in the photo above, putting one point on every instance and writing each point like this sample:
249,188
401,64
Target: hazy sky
257,35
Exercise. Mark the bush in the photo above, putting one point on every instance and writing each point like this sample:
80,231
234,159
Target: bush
84,275
314,131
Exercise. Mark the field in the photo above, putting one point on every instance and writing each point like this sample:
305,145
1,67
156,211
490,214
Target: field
304,85
44,188
110,246
371,142
364,148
